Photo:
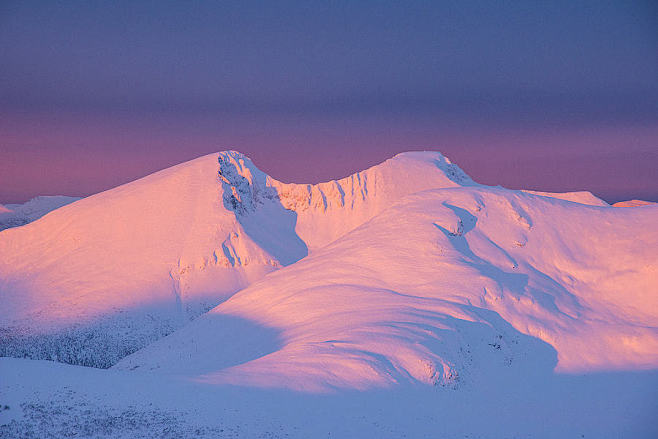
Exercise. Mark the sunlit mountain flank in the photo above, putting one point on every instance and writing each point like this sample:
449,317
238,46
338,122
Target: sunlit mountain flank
408,277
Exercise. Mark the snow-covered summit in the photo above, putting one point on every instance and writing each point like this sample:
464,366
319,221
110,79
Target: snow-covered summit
137,261
633,203
459,297
98,279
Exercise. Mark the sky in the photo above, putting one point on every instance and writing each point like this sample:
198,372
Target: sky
554,96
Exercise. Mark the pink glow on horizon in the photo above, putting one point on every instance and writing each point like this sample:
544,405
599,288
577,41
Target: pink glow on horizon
81,155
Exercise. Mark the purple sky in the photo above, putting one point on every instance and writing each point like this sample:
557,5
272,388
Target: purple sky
560,96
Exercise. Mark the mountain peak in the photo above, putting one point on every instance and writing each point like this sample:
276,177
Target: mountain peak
183,239
433,161
327,210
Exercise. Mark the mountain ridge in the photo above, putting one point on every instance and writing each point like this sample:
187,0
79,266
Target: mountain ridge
423,291
147,256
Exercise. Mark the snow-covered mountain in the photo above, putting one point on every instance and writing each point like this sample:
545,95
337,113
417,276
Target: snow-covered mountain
129,265
445,286
226,301
14,215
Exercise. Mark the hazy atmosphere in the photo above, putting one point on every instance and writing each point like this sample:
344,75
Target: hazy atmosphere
554,96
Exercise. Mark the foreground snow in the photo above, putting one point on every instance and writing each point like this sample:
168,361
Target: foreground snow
51,400
405,300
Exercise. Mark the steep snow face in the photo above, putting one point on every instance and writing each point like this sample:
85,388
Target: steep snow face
327,211
446,287
14,215
582,197
127,266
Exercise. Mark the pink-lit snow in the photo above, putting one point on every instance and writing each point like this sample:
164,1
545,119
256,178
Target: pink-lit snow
404,300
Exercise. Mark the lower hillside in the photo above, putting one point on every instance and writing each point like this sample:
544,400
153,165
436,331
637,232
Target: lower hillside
449,286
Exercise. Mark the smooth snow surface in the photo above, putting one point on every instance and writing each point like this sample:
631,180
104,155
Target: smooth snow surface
403,300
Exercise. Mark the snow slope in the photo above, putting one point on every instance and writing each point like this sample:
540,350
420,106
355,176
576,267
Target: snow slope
14,215
50,400
125,267
448,285
405,300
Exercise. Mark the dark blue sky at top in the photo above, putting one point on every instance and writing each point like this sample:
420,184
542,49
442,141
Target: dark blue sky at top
324,77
